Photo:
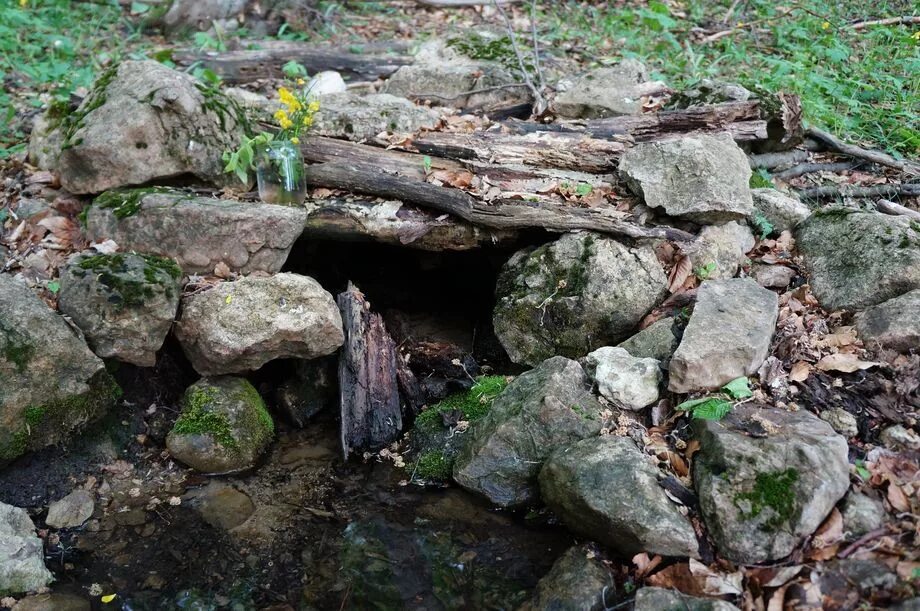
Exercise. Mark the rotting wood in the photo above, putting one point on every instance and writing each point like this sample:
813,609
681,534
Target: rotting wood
890,190
778,161
889,207
371,416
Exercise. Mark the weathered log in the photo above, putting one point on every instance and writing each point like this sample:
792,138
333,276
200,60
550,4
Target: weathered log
368,385
370,62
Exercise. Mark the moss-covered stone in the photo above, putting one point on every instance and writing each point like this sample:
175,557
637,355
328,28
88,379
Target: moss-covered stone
774,490
125,203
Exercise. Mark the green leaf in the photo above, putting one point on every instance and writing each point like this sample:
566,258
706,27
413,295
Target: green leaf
738,388
688,405
762,224
54,286
426,163
139,8
713,409
294,69
583,189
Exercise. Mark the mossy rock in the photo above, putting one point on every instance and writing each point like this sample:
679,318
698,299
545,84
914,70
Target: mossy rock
224,426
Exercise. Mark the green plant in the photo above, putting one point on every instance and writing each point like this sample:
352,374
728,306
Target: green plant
703,272
761,179
763,226
717,407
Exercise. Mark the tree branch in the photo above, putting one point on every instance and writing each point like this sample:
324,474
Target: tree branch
908,167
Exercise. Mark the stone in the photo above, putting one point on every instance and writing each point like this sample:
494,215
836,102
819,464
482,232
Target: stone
239,326
200,15
124,303
51,384
856,260
55,601
897,437
783,211
223,506
861,514
761,494
143,121
720,250
711,91
863,575
663,599
577,582
311,387
22,564
911,604
362,117
773,276
223,427
197,232
31,206
326,83
72,510
606,489
45,140
841,421
702,178
628,381
892,324
657,341
609,91
543,409
574,295
728,335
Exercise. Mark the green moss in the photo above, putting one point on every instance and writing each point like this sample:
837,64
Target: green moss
34,415
198,419
499,50
15,347
125,203
71,123
433,466
473,404
775,491
225,107
251,397
127,290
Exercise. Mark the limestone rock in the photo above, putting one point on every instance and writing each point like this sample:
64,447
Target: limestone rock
50,382
624,379
605,488
574,295
124,303
657,341
198,232
898,438
54,601
326,83
662,599
143,121
782,211
576,582
546,408
609,91
223,506
22,564
859,259
760,495
720,250
861,514
72,510
893,324
357,117
702,178
200,15
728,335
240,326
45,141
773,276
223,427
841,421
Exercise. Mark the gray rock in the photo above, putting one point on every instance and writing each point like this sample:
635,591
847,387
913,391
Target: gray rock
240,326
325,83
911,604
720,250
546,408
72,510
728,335
761,495
198,232
574,295
841,421
859,259
223,427
782,211
773,276
609,91
4,256
22,565
223,506
45,141
897,437
200,15
578,581
712,91
624,379
55,601
702,178
605,488
657,341
31,206
357,117
892,324
141,122
662,599
864,575
50,382
861,514
124,303
310,388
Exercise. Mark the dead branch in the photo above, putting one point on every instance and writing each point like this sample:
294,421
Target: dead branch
905,20
852,150
891,190
781,160
539,104
459,3
889,207
810,168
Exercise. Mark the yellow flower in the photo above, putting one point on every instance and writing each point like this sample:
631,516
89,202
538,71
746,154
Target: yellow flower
295,140
916,35
23,3
308,121
300,81
285,123
280,115
825,25
313,106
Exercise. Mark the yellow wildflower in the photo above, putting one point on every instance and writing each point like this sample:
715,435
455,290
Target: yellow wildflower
295,140
916,35
825,25
313,106
23,3
307,121
285,95
285,123
300,81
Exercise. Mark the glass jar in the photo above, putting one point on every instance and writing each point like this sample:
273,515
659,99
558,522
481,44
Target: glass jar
280,173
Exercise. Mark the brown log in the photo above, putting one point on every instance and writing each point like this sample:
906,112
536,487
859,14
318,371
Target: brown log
370,62
368,385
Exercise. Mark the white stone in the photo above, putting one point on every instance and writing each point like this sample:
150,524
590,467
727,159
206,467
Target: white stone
628,381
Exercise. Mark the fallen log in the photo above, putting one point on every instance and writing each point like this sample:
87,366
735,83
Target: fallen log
368,386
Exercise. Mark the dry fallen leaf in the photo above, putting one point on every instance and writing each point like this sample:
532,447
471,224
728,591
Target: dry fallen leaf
682,270
800,371
846,363
715,582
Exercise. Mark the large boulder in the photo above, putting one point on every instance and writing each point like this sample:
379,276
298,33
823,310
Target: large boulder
240,326
702,178
783,212
893,324
628,381
198,232
224,426
728,335
859,259
50,381
143,121
22,563
610,91
663,599
363,117
125,304
761,494
546,408
574,295
578,581
606,489
720,250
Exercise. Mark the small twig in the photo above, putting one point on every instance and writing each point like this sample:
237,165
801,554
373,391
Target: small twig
809,168
731,10
889,207
852,150
539,100
905,20
866,538
892,190
466,93
536,45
